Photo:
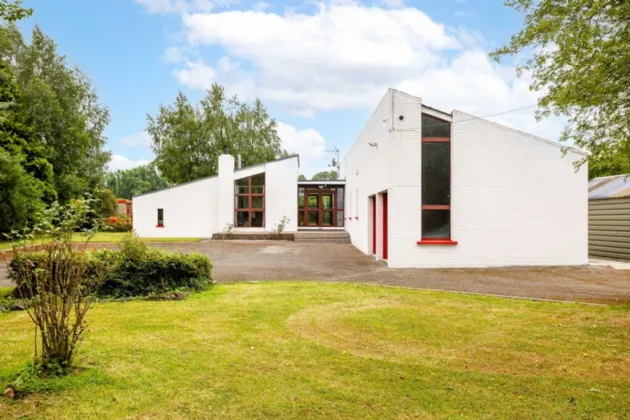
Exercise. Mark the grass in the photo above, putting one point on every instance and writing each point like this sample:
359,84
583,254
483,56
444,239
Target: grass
112,237
309,350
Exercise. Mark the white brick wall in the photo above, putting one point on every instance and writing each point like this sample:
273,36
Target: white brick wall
515,199
367,170
190,211
199,209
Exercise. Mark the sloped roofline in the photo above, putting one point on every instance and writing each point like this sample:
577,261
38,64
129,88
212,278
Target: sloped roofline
531,136
215,176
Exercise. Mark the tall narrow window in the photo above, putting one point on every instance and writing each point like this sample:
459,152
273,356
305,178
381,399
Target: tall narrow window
436,179
249,201
160,221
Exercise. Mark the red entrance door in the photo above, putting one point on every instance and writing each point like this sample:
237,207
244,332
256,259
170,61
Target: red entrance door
373,199
384,226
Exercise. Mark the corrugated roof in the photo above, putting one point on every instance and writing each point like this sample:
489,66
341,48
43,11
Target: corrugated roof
609,187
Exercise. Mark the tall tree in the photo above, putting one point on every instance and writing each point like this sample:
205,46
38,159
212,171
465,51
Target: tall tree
59,104
580,60
135,181
188,139
325,176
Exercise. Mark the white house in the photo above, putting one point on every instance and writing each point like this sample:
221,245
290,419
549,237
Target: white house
422,188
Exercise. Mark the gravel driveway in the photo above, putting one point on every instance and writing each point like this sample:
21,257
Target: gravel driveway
256,261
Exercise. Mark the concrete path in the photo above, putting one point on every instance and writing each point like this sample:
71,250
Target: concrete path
258,261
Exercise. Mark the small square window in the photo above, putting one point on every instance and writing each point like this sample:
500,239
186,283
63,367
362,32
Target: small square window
160,221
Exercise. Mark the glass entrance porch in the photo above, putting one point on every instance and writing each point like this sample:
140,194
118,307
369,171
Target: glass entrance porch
320,206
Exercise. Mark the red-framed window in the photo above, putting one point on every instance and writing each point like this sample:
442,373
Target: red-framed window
436,181
160,218
249,201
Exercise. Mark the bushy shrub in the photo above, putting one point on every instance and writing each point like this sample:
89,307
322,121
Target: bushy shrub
134,270
137,270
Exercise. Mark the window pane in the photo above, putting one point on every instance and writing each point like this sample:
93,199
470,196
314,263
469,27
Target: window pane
327,201
241,202
258,202
242,186
258,180
432,127
301,218
160,221
242,219
327,218
339,218
258,184
340,197
313,218
258,219
436,224
301,198
312,201
436,173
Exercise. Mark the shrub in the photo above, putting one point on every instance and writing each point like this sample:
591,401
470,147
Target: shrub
133,270
56,284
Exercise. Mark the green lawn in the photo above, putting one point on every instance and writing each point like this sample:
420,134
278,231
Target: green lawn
112,237
311,350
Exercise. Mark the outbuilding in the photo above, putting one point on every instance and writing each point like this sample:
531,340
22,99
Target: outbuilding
421,188
609,217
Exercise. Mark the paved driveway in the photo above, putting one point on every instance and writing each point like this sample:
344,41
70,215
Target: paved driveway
258,261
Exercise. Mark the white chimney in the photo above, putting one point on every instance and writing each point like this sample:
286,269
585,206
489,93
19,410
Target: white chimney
238,162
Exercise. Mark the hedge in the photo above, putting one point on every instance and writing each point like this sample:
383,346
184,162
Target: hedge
135,270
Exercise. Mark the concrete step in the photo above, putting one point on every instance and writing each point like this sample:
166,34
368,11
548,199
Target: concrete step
340,237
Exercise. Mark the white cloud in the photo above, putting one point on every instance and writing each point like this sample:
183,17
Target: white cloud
141,138
343,56
261,5
346,55
308,143
119,162
196,75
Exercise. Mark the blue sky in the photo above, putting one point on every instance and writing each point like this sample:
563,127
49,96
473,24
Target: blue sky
319,66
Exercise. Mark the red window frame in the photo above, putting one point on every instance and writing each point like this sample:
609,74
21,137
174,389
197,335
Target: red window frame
423,207
250,196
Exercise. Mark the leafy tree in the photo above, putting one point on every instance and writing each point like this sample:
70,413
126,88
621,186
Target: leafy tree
12,11
20,194
581,57
135,181
325,176
19,140
301,177
61,108
188,139
610,162
106,203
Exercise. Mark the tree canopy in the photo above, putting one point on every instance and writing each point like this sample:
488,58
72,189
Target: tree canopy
131,182
188,139
580,60
325,176
59,104
12,11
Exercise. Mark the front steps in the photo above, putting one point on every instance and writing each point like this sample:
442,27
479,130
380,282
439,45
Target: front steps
319,236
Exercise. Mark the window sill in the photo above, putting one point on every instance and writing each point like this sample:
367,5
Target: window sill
159,226
436,242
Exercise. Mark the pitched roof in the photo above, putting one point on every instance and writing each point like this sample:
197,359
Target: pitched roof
609,187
